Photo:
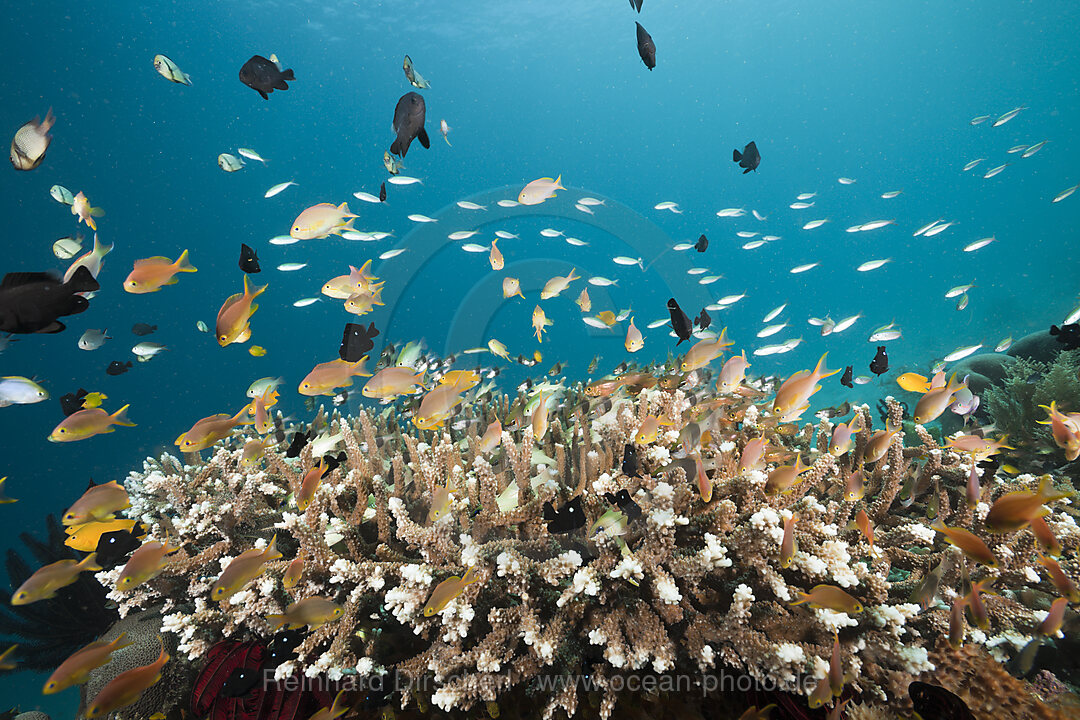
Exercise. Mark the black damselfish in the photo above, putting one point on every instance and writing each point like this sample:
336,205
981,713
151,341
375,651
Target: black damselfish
880,364
409,115
568,518
264,76
749,158
845,379
646,47
249,261
680,321
31,302
356,341
630,461
1067,335
702,243
703,320
624,502
72,402
118,368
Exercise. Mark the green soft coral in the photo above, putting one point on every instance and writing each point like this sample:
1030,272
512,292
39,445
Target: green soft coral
1014,405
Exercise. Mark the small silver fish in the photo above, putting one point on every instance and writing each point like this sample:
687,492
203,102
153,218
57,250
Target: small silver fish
93,339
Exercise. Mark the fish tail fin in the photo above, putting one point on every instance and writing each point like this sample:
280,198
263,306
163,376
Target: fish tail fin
271,552
447,140
395,148
558,183
89,563
82,280
422,136
288,74
802,596
571,277
736,156
1047,492
121,641
48,122
120,417
278,621
97,212
183,265
821,371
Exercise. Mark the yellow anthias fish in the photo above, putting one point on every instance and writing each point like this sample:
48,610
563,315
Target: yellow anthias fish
557,284
440,502
145,564
495,257
259,408
85,537
127,687
293,573
364,302
76,669
511,287
539,419
243,569
309,485
936,401
447,590
540,190
326,376
648,429
233,319
320,221
968,542
497,348
793,397
87,423
704,352
539,322
313,612
462,380
254,451
209,430
81,207
1065,430
783,477
97,504
584,301
152,273
634,340
436,407
492,437
1014,510
44,583
359,280
393,381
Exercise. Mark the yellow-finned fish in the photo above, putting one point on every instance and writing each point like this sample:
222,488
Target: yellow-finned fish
243,569
44,583
152,273
234,317
313,612
447,590
76,669
86,423
98,503
127,687
145,564
171,71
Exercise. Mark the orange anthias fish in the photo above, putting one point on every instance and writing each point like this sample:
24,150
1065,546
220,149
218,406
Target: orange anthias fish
495,257
732,374
783,477
327,376
1014,510
234,317
145,564
540,190
309,485
313,612
447,590
650,426
936,401
293,573
704,483
704,352
979,448
437,406
1065,587
462,380
831,597
969,543
793,397
393,381
362,303
321,220
127,687
44,583
78,666
878,444
87,423
492,437
86,536
259,408
1065,429
634,339
152,273
98,503
243,569
209,430
359,280
788,546
752,454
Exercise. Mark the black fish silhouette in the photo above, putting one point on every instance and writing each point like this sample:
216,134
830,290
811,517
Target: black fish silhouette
409,115
880,364
702,243
636,4
72,402
113,547
625,503
1067,335
356,341
646,47
299,440
382,193
749,158
569,517
703,320
118,368
249,261
141,329
240,682
281,648
31,302
264,76
630,461
330,462
680,322
932,701
845,379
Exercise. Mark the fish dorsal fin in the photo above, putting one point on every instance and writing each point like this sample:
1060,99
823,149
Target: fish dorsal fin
157,259
17,279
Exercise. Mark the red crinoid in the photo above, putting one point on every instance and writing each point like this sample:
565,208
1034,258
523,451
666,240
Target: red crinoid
266,700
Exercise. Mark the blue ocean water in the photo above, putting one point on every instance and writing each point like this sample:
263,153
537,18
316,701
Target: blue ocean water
879,92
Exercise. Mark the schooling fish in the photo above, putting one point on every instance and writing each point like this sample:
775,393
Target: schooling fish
264,76
127,687
845,379
31,302
680,321
153,273
249,261
880,364
87,423
646,47
450,588
409,115
749,158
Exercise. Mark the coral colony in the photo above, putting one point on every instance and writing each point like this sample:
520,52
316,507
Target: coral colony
634,530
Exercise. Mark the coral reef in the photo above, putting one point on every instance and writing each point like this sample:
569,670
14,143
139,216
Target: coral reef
694,587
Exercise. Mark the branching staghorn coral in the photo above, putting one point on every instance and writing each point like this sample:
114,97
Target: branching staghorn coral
689,588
